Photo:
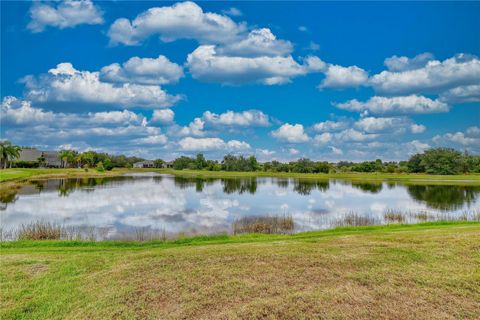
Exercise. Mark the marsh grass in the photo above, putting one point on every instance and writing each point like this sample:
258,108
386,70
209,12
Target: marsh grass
356,220
392,216
40,230
264,224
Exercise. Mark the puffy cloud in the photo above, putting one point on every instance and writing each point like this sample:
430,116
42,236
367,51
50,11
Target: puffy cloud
291,133
162,116
293,151
185,20
354,135
462,94
458,138
394,124
66,84
194,128
19,112
473,131
155,139
336,151
330,125
206,64
116,117
323,138
207,144
248,118
259,42
66,14
342,77
403,63
417,128
237,145
143,71
395,105
436,76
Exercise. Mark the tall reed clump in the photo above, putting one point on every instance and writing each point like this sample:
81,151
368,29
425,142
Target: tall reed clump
40,230
392,216
355,220
264,224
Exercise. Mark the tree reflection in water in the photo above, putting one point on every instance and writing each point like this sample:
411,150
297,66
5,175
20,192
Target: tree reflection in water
444,197
240,185
306,186
370,187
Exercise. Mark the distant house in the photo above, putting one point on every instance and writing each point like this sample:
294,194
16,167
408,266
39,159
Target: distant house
52,159
32,155
144,164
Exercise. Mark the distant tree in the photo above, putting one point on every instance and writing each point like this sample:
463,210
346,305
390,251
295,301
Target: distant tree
415,164
158,163
442,161
200,162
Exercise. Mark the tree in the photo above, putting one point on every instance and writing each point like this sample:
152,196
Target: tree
200,162
442,161
8,152
158,163
414,164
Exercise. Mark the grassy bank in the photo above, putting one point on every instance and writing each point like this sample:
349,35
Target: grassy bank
19,174
404,177
427,271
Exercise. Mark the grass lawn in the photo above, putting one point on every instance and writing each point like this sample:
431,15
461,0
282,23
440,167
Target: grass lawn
18,174
429,271
22,174
403,177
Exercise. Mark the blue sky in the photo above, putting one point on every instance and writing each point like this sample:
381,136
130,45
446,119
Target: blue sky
281,80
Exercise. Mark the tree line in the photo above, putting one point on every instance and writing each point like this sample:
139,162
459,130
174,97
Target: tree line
443,161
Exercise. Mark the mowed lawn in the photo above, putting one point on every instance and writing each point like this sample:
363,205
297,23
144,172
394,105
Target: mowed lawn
429,271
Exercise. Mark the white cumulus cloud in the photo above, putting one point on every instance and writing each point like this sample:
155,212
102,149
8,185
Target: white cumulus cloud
436,76
66,84
291,133
395,105
150,71
342,77
248,118
208,144
65,14
183,20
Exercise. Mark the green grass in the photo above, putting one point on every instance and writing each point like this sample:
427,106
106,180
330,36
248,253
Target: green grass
25,174
425,271
19,174
403,177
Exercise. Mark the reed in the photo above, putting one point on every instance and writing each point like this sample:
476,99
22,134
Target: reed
264,224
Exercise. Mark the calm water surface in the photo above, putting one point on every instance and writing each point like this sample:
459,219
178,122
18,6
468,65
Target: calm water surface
121,205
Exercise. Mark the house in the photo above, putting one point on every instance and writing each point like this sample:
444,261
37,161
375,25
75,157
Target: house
32,155
52,159
29,154
144,164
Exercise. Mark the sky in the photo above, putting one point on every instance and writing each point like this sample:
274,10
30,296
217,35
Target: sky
279,80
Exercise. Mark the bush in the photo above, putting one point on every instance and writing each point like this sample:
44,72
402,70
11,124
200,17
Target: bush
25,164
100,167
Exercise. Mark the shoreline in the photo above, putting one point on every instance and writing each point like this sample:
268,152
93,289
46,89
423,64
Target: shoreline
20,175
224,239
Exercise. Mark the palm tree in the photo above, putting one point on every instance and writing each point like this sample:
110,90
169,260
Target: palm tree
64,156
8,152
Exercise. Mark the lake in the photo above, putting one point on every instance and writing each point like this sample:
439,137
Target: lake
153,204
